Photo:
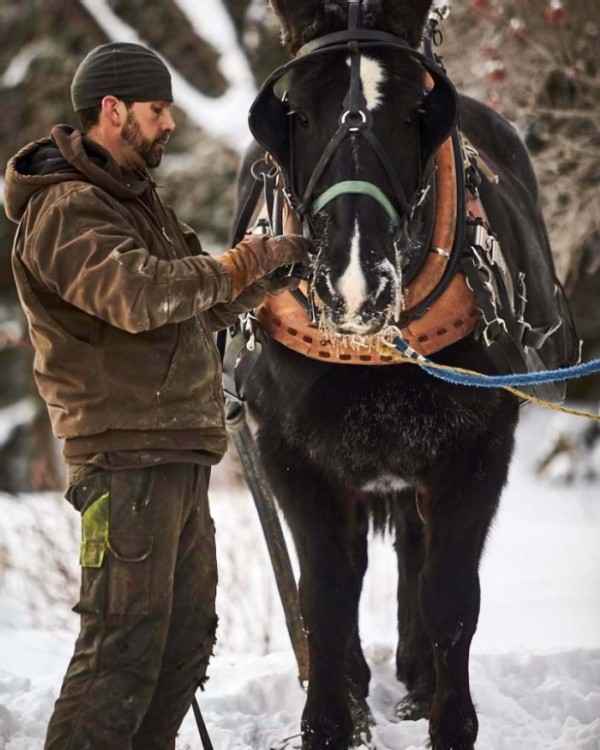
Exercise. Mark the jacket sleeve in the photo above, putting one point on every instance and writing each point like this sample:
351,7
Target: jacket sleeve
223,315
84,250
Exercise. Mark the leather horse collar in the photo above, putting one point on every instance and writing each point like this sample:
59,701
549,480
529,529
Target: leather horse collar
452,315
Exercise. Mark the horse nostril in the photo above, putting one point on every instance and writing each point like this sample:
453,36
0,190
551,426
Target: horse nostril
323,287
387,288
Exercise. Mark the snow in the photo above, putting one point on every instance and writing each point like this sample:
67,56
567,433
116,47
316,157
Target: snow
14,416
535,666
18,68
223,117
211,21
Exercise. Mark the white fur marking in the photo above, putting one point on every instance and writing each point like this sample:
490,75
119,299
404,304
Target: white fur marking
352,284
385,483
372,76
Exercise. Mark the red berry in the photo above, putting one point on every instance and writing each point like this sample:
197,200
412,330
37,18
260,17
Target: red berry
495,72
555,14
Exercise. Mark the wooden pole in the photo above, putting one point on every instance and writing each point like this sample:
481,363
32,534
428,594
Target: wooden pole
271,526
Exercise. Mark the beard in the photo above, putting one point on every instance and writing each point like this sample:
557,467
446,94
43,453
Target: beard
151,152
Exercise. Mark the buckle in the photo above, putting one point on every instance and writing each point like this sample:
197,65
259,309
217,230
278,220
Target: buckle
498,323
248,325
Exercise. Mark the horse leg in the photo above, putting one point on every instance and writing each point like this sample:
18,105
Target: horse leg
323,527
458,516
358,672
414,657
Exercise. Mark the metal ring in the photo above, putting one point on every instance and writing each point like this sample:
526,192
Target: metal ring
257,173
347,113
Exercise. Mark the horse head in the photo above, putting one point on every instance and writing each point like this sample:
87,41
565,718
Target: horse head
347,122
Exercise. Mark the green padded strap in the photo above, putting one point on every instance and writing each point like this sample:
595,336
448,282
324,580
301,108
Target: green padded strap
356,187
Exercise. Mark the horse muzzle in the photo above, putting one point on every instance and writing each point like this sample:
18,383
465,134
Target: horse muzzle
362,305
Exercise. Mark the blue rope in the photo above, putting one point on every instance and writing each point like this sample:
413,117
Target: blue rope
499,381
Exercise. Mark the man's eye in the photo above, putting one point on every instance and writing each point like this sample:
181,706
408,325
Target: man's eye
157,110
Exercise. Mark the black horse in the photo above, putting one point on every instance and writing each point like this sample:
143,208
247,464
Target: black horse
342,443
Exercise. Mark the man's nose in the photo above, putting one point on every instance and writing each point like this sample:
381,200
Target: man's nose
169,122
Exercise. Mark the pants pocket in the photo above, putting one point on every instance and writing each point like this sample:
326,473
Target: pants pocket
129,571
116,540
94,504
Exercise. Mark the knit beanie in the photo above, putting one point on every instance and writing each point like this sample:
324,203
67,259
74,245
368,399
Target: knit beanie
128,71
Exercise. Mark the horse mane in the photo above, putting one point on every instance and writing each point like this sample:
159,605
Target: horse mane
310,20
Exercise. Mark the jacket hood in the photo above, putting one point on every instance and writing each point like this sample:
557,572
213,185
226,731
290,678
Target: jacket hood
66,155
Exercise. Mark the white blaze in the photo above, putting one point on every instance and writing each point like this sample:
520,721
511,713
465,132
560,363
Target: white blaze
372,76
352,285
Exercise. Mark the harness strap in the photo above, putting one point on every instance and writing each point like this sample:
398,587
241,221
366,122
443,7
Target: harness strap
326,157
356,187
406,206
511,342
263,183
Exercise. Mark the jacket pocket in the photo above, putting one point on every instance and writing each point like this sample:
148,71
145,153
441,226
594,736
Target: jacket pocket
129,574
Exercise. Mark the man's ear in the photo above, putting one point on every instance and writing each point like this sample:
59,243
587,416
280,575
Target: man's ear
114,110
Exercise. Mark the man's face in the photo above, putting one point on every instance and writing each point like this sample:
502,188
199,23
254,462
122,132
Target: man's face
146,131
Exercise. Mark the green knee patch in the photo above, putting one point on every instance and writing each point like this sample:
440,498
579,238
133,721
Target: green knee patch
94,533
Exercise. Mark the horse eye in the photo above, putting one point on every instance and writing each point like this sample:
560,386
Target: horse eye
300,117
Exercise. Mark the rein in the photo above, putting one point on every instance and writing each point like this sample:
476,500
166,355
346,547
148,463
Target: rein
472,379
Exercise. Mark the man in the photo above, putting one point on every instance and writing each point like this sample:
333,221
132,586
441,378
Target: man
121,304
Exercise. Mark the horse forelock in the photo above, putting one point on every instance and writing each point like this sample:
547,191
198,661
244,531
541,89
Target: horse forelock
403,18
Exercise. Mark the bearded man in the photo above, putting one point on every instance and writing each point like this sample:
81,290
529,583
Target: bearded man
122,304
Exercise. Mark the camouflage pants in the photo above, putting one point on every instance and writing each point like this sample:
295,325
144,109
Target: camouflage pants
147,608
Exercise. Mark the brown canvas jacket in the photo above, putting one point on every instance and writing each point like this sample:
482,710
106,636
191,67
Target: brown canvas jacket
121,303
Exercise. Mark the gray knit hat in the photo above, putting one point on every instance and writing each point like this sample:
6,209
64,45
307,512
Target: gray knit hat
128,71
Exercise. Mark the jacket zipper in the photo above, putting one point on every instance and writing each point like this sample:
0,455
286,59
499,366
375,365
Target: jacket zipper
154,217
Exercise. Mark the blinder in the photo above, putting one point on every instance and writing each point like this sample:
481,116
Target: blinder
269,114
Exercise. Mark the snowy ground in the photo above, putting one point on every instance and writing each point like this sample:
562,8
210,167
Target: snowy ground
536,657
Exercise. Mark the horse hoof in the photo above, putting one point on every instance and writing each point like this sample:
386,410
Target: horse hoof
326,735
413,707
363,722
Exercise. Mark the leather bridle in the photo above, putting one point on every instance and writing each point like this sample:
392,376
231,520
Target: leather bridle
356,119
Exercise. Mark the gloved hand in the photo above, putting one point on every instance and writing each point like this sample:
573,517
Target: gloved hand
276,285
256,256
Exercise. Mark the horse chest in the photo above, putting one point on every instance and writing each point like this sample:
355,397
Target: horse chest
372,427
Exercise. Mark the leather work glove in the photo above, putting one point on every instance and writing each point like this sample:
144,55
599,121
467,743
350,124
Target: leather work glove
256,257
276,285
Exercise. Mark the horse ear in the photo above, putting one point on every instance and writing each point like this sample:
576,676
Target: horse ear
406,18
295,16
301,20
